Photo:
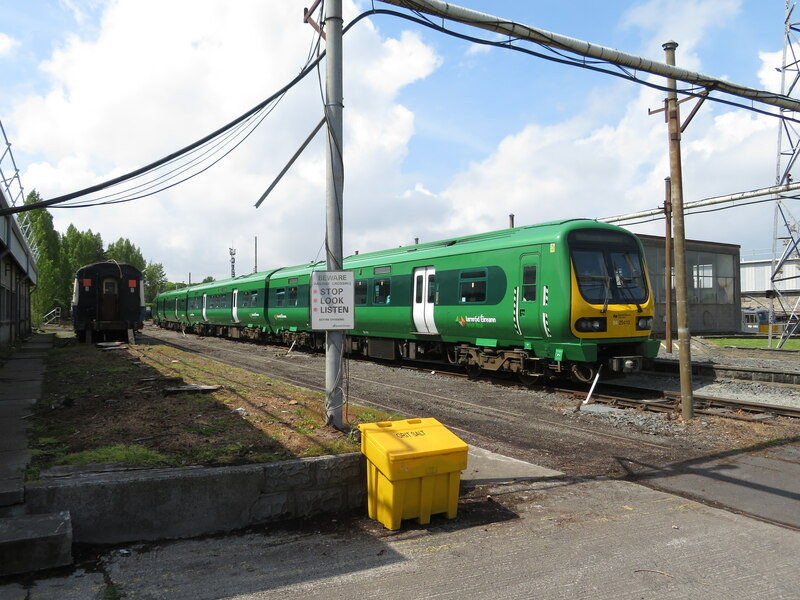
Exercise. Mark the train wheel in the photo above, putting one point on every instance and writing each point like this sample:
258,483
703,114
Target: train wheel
473,371
529,380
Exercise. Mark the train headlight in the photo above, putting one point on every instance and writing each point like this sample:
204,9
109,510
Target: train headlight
591,324
643,323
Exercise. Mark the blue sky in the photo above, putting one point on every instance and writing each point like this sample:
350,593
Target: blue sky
442,138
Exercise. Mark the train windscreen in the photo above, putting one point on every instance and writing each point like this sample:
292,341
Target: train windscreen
608,266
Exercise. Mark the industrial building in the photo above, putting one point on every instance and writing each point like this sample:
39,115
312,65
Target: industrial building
713,280
18,275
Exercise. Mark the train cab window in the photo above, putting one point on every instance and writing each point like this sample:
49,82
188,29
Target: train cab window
472,286
529,284
280,296
381,291
292,296
360,294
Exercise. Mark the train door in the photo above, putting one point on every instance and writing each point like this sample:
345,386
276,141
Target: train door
205,307
235,307
109,302
531,297
424,299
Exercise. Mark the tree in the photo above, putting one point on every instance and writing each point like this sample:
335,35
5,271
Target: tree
50,291
124,251
208,279
154,281
81,248
78,249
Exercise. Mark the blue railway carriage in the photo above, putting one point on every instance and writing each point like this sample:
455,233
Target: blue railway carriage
567,298
107,302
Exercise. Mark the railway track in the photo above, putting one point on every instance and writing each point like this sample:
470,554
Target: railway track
668,401
622,396
730,373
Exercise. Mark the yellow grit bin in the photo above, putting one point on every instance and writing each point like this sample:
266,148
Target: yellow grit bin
413,470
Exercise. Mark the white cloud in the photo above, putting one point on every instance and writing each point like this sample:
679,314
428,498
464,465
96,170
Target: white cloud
7,44
661,19
770,73
138,88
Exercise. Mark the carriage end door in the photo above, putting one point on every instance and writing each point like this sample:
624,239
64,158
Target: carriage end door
424,299
205,306
532,299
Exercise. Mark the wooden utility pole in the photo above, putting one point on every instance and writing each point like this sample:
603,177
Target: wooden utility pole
676,196
668,265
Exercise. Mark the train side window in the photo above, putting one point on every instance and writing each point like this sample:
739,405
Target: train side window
381,290
472,288
360,295
529,283
292,296
280,296
418,286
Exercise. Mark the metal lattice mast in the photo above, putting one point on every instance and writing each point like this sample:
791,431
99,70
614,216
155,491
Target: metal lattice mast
783,247
14,193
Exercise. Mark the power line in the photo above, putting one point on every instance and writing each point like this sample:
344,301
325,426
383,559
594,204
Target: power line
558,55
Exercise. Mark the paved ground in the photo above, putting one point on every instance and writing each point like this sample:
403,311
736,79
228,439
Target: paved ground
555,538
20,387
521,532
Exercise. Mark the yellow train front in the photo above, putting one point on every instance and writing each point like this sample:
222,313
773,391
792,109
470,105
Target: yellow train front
611,308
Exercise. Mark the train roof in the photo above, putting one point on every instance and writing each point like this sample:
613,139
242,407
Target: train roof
503,238
108,267
492,240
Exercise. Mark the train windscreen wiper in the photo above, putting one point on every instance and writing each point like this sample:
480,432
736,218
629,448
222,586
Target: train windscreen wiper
607,292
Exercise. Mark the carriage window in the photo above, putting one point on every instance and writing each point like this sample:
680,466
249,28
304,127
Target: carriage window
381,290
280,296
360,295
529,283
472,286
418,286
292,296
109,286
431,288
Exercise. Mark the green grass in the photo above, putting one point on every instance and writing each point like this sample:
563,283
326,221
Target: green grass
793,344
134,456
214,428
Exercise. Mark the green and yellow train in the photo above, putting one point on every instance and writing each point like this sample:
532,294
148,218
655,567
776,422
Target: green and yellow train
564,298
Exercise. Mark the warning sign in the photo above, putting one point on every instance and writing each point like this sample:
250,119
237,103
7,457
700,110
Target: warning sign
332,300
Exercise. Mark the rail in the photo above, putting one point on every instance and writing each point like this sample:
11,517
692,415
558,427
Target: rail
53,315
